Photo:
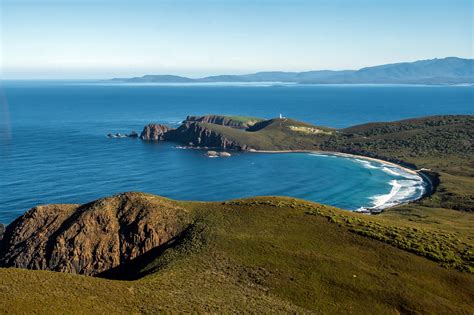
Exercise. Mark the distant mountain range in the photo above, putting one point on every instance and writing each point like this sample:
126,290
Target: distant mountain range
450,70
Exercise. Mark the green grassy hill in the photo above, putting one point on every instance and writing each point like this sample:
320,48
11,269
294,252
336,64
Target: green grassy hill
275,134
274,254
444,144
240,122
266,254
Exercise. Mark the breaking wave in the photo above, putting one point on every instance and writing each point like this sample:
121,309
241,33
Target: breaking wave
366,164
405,186
401,191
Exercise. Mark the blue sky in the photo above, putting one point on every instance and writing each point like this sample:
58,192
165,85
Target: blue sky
109,38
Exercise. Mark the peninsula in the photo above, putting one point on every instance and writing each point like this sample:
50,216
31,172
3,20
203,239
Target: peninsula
417,144
256,254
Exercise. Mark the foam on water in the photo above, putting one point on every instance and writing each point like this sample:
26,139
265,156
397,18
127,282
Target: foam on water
385,200
391,171
403,190
405,186
324,155
366,164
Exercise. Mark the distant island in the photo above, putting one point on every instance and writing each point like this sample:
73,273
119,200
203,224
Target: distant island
444,71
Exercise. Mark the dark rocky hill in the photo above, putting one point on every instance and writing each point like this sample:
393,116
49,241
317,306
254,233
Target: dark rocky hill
91,238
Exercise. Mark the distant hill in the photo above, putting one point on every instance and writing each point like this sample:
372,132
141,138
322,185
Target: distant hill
450,70
156,78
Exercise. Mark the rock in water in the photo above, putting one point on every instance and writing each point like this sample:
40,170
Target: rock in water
2,230
133,134
91,238
217,154
155,132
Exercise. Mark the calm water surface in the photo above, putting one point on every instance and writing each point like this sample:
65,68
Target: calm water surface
54,149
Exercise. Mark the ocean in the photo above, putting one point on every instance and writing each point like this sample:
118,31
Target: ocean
54,147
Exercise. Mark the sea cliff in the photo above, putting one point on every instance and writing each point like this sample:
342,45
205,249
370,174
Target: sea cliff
419,143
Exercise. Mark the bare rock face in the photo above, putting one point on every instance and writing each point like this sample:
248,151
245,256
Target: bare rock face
2,230
201,136
193,133
155,132
94,237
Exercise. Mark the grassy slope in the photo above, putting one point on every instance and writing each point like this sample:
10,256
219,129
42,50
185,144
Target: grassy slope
243,119
275,135
257,255
442,143
294,257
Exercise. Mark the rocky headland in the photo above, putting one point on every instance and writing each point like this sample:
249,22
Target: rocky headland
156,132
418,144
198,131
92,238
257,250
102,235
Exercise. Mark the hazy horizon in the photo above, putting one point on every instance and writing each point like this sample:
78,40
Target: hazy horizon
193,76
59,39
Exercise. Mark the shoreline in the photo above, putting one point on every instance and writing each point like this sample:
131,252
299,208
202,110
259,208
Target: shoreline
429,187
348,155
428,183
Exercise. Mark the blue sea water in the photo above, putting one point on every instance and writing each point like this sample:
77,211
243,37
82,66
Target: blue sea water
54,148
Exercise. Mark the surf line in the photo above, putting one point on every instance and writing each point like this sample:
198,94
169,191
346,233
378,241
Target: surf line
427,184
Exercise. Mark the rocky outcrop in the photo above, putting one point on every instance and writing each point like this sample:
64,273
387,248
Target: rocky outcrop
133,134
196,134
155,132
91,238
2,230
218,154
228,121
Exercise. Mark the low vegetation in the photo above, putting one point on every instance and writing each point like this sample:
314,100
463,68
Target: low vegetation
309,130
244,119
258,255
286,255
443,144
